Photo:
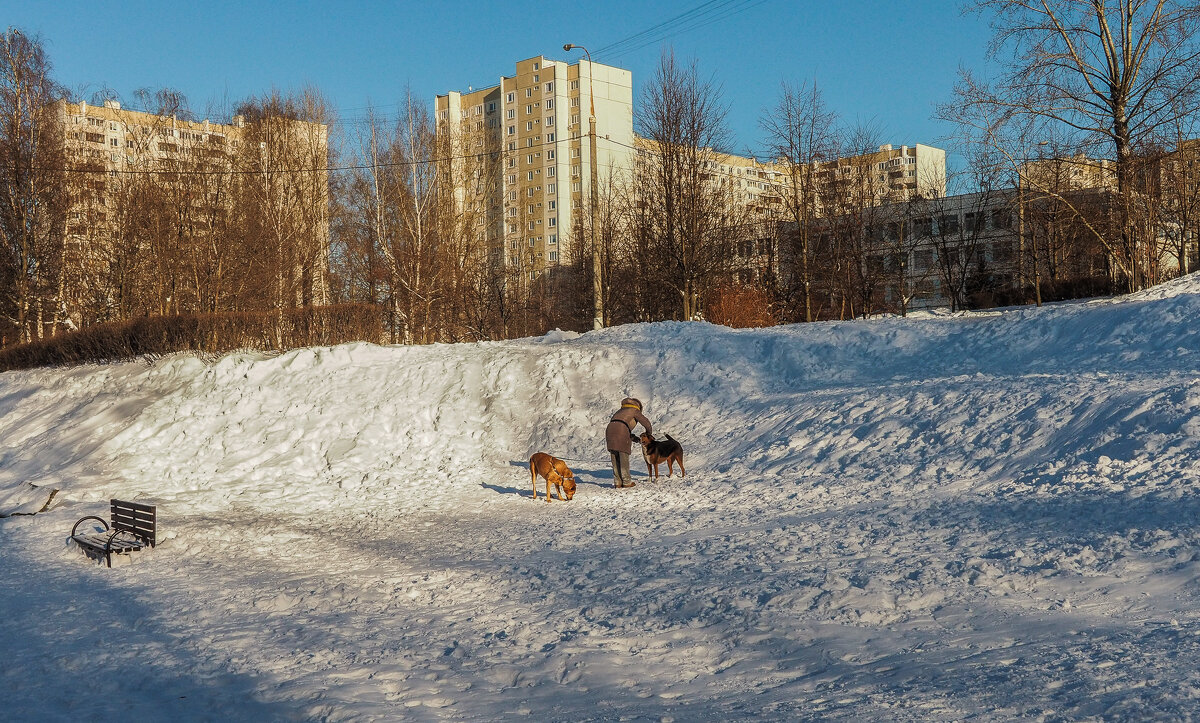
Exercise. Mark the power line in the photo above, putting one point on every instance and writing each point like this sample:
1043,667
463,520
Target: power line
703,15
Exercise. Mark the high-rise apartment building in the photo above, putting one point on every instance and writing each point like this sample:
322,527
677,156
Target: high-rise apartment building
525,159
125,160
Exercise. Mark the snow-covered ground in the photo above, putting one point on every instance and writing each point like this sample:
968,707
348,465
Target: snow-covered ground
973,516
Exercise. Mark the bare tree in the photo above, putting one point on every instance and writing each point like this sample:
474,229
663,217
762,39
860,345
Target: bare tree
283,197
802,135
397,201
689,212
1179,195
1112,74
34,205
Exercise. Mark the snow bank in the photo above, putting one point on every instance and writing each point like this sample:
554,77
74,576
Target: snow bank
902,517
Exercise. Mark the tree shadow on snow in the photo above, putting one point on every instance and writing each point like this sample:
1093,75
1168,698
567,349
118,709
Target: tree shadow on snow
110,618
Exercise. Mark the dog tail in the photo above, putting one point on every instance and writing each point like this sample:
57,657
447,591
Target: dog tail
669,437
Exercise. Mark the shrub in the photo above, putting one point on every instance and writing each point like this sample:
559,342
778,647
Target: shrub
740,307
209,333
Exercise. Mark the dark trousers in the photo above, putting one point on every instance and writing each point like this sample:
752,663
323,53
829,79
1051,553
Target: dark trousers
620,465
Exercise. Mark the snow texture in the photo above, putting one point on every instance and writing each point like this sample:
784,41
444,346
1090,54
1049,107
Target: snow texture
983,516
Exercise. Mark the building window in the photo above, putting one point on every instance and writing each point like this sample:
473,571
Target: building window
553,239
550,155
529,125
491,107
552,205
511,113
529,176
529,92
550,171
512,130
512,163
549,137
575,119
552,187
552,221
529,158
554,256
550,104
550,121
532,242
512,97
528,109
574,85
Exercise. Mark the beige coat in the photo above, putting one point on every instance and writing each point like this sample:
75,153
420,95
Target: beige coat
616,435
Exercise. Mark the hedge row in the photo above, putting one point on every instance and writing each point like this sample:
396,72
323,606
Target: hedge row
209,333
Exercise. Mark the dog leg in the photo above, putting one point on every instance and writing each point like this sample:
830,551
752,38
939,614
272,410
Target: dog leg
533,476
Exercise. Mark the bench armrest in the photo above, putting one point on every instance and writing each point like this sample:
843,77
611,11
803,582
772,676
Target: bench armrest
89,517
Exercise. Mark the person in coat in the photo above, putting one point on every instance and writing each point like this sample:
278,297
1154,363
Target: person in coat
619,437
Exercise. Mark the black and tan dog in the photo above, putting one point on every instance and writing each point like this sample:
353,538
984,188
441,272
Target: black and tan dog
655,452
555,472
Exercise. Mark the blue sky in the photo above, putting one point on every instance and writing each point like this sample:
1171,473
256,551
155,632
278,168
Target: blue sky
883,62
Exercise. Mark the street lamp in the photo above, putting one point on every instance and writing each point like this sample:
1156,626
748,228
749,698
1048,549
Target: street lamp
598,316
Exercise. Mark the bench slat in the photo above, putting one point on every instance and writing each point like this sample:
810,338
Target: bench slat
136,518
97,544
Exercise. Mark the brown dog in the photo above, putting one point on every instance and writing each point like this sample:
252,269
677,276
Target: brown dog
656,452
555,472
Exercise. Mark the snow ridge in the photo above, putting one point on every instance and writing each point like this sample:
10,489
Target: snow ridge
955,515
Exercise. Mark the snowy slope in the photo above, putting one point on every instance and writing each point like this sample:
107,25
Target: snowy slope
975,515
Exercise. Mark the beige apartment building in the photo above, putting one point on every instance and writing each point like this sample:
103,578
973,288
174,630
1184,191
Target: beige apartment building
525,159
1073,173
191,162
889,175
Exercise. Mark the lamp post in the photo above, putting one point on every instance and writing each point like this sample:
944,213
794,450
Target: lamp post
597,267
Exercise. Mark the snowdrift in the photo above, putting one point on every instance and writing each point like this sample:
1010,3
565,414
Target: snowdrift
959,515
980,394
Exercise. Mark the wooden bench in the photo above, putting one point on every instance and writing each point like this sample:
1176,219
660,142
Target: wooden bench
133,527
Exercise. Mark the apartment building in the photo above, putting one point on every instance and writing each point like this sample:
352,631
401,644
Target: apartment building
191,164
525,159
889,175
1072,173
